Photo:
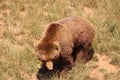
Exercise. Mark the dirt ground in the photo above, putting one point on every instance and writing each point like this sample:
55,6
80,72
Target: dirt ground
103,64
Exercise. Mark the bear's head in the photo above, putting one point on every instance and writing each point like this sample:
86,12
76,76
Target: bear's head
47,52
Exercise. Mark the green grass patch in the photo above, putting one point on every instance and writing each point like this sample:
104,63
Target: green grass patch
25,20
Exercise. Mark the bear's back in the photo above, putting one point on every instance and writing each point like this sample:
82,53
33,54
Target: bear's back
78,27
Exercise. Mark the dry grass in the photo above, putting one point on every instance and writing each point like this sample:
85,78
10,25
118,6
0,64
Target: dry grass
22,21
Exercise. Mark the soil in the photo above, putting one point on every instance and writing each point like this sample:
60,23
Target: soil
103,64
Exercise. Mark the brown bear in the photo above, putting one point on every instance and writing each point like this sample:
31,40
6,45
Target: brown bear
64,42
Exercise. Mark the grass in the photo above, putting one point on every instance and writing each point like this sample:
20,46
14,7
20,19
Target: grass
112,76
116,60
22,22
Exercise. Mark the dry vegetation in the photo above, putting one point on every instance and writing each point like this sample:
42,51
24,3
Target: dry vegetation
22,21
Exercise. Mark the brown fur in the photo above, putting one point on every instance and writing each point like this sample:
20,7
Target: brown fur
66,41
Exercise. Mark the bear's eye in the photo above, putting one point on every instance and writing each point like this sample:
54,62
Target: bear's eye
48,49
56,48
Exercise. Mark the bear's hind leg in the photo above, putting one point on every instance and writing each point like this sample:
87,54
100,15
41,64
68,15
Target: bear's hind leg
83,54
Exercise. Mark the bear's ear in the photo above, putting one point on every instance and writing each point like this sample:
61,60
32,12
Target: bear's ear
57,46
54,27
